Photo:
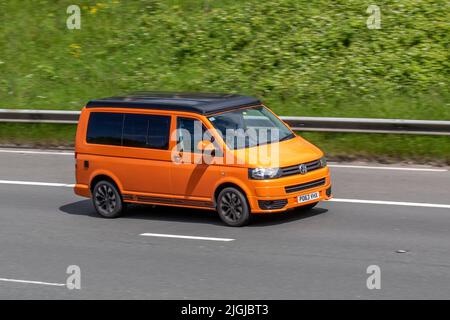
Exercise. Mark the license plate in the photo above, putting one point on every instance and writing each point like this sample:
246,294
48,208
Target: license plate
308,197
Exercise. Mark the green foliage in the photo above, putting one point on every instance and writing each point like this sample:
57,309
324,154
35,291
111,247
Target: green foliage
37,134
310,58
302,57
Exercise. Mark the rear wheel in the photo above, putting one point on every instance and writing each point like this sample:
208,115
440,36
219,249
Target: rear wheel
107,200
232,207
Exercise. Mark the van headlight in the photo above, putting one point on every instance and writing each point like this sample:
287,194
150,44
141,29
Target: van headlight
323,162
264,173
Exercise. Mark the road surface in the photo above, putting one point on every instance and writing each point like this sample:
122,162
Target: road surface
394,217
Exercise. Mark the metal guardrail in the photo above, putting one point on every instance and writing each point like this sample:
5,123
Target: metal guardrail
39,116
369,125
358,125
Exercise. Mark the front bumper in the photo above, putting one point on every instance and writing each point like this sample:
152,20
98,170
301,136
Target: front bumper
270,195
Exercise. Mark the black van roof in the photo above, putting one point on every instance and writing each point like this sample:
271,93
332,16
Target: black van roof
201,103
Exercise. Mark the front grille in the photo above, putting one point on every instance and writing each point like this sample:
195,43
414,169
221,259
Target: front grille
291,170
304,186
272,204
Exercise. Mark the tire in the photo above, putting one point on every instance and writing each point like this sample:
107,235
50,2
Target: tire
308,206
232,207
107,200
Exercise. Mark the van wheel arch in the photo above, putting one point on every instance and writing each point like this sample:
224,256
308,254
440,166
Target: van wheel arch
229,185
102,177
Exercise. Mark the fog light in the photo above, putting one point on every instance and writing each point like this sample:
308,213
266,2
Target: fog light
272,204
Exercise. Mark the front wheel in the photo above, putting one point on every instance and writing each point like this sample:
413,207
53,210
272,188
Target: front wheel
232,207
107,200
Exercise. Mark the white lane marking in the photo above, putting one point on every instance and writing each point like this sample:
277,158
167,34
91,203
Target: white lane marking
386,168
62,153
393,203
33,282
161,235
36,183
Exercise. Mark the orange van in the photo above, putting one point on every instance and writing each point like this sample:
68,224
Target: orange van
220,152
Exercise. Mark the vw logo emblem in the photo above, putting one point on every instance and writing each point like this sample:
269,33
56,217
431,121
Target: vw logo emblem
303,169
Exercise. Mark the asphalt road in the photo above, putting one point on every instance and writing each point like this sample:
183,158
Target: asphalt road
321,254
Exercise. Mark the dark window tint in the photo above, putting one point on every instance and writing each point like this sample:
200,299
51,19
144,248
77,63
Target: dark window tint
146,131
189,133
105,128
135,130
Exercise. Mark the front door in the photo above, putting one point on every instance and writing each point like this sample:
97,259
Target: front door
192,180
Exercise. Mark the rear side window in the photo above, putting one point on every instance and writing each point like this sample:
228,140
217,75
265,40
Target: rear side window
129,130
146,131
105,128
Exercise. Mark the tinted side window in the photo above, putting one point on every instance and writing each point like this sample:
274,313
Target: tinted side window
146,131
189,134
135,130
158,132
105,128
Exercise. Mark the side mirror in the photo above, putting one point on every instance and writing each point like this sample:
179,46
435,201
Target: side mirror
205,145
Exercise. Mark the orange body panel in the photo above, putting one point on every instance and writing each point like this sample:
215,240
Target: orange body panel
150,175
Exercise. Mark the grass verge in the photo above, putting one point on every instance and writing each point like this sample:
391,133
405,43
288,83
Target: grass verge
37,135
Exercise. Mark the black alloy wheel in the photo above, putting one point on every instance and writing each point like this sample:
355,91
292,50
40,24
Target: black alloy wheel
107,200
232,207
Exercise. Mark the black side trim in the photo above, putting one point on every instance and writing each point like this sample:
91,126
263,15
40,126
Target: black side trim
152,199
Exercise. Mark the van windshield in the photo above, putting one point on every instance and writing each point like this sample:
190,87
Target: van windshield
250,127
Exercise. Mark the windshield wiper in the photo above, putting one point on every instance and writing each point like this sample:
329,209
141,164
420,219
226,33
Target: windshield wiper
289,136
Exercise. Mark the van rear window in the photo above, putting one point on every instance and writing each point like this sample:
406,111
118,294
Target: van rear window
129,130
105,128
